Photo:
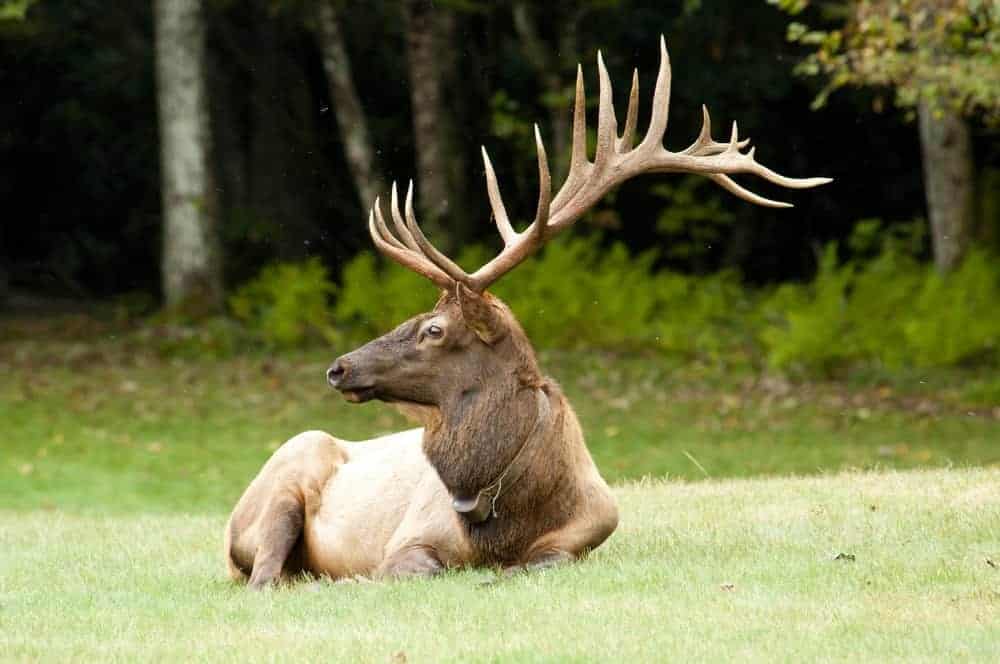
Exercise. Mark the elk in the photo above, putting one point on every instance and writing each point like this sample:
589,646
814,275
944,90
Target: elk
499,475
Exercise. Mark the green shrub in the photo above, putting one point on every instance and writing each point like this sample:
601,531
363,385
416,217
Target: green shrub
882,292
712,317
887,308
956,317
813,324
375,297
575,293
693,217
287,304
883,308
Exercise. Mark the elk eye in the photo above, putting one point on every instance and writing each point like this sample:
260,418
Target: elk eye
435,332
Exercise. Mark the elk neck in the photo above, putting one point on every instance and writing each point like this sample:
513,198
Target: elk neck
491,441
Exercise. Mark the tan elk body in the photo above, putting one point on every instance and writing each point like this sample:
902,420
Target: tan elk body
499,474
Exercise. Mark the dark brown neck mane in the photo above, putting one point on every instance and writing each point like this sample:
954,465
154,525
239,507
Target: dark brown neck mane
475,439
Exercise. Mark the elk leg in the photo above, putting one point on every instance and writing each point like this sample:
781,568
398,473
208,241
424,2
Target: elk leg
282,527
543,560
413,561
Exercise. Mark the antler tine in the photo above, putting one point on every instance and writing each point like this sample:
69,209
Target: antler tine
405,257
544,186
704,144
525,243
734,139
580,166
426,248
607,125
579,155
496,202
661,104
383,229
624,144
397,221
729,185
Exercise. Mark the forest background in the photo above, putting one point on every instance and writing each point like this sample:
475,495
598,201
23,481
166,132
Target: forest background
296,114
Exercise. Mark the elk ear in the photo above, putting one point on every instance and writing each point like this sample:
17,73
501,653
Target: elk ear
480,315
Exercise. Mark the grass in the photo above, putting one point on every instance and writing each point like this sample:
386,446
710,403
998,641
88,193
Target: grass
119,465
852,567
110,425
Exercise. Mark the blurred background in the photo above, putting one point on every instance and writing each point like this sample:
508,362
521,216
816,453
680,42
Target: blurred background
185,185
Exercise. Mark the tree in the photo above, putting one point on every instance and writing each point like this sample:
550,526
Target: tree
430,48
10,10
347,106
190,261
552,71
939,56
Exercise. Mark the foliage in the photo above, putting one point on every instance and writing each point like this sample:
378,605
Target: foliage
694,218
14,10
812,321
946,53
956,317
287,303
882,306
573,296
577,293
376,297
889,309
85,125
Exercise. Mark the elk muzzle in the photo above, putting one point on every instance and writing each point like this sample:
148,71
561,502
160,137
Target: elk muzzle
342,377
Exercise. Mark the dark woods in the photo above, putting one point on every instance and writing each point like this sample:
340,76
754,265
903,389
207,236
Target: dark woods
79,141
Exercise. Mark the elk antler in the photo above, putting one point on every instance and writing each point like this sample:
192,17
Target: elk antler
586,183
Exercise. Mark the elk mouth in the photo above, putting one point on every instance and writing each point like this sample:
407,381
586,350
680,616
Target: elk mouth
359,394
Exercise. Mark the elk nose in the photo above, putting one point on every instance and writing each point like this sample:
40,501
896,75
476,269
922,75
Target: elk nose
336,373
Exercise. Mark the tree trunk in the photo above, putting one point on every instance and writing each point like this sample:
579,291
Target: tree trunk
988,210
430,45
346,104
280,161
948,181
551,75
190,262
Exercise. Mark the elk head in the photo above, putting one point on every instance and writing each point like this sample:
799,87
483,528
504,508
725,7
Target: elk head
447,351
471,338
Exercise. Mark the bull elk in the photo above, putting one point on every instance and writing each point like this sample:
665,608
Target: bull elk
499,474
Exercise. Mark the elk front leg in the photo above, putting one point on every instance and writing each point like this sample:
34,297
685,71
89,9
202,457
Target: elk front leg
280,529
574,539
541,560
418,560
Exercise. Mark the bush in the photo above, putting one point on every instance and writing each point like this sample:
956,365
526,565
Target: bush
889,309
376,297
577,293
573,294
956,317
287,304
810,324
882,308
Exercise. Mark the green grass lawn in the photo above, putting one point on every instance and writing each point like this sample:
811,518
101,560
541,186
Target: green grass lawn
853,567
118,467
111,426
